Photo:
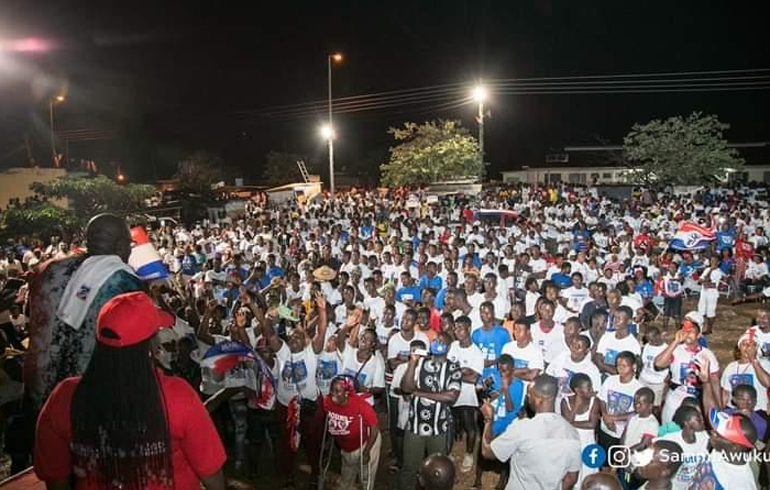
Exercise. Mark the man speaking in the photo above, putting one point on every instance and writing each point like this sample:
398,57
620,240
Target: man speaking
544,451
65,298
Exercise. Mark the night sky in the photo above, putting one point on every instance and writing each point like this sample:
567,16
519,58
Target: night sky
188,75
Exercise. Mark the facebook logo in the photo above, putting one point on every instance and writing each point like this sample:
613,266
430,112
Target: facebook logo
594,456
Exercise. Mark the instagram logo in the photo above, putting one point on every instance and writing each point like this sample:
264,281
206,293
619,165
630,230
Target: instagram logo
618,456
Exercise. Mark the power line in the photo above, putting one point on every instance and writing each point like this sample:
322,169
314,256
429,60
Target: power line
633,82
535,82
646,90
534,90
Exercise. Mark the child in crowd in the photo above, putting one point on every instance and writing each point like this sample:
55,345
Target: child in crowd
582,411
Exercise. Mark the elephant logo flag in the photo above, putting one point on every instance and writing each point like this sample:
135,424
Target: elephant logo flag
691,236
144,259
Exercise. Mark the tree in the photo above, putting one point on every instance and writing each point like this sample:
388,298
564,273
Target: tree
281,168
680,150
430,152
43,219
88,197
198,171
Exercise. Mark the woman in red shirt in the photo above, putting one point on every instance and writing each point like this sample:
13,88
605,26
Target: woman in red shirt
744,250
124,424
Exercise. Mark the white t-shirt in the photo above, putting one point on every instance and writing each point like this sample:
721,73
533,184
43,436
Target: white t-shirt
610,346
720,474
541,451
329,366
397,345
638,427
538,265
762,339
684,368
692,455
370,373
714,276
375,306
529,302
297,374
467,358
561,314
563,368
649,374
575,297
529,356
619,398
552,343
383,332
743,374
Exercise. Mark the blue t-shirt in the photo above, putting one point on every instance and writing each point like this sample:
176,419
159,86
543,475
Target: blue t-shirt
726,265
274,271
491,343
440,298
436,283
644,289
725,240
502,417
686,270
561,280
476,260
189,265
408,293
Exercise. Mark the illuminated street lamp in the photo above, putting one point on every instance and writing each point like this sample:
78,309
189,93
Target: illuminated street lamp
330,59
53,100
480,95
327,132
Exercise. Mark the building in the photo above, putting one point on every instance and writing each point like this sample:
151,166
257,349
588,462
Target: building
591,165
15,183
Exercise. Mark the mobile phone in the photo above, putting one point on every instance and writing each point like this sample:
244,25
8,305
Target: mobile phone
420,352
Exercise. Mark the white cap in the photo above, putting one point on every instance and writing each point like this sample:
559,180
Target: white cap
695,317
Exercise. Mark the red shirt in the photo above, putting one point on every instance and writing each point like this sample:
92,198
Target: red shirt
195,445
345,421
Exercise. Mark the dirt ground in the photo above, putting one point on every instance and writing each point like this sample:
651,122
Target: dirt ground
730,324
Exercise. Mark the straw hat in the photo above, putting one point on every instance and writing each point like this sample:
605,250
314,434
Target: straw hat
324,273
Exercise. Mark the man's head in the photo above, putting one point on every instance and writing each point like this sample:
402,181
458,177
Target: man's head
689,418
408,319
665,458
623,317
522,332
462,328
601,481
542,393
505,366
436,472
107,234
487,313
579,348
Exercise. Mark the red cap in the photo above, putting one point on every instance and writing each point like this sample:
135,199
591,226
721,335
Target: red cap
132,317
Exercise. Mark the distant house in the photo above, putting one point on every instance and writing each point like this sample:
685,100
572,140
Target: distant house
591,165
15,183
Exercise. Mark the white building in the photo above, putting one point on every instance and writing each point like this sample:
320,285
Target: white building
586,165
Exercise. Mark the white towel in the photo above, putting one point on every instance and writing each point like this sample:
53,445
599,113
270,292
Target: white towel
85,284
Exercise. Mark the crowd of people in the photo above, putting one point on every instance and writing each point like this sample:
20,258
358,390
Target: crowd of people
539,333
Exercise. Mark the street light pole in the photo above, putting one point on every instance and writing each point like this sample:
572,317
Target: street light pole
51,101
479,95
331,138
481,129
53,136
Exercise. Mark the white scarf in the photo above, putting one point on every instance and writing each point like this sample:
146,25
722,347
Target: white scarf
85,284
